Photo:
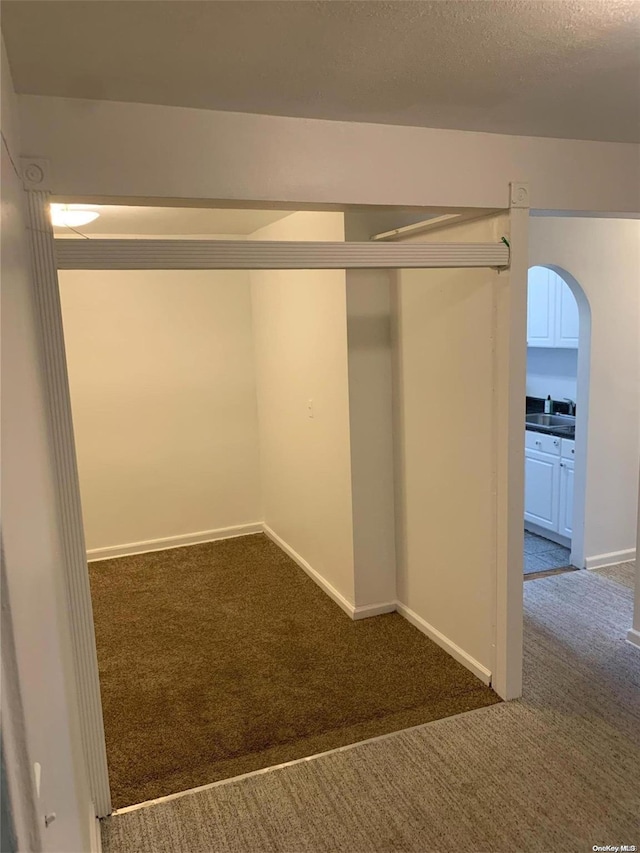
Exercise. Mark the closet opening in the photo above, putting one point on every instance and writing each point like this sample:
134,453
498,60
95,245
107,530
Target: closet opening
251,459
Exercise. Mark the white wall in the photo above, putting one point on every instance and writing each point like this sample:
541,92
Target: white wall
371,418
552,370
188,153
300,334
371,425
162,382
603,256
447,379
40,724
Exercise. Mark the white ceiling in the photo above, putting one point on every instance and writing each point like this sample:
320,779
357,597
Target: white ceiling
167,221
565,68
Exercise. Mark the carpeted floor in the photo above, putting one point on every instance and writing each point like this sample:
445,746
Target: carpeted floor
555,771
223,658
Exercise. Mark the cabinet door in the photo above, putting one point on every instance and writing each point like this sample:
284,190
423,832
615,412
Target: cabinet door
541,489
566,499
567,323
541,308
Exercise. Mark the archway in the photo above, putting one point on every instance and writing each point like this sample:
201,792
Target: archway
552,321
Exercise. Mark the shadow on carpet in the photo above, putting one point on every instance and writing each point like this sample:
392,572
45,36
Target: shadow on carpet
224,658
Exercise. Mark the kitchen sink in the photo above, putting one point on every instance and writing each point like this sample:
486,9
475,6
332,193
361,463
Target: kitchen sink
550,420
555,423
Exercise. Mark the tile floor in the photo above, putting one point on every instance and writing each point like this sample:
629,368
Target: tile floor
541,554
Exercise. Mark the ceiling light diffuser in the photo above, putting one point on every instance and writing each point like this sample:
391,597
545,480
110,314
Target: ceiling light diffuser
71,216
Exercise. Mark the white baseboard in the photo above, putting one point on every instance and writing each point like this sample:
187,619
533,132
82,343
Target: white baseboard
367,610
633,637
351,610
551,535
602,560
445,643
331,591
174,541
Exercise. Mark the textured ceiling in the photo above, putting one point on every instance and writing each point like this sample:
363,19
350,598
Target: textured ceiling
565,68
183,221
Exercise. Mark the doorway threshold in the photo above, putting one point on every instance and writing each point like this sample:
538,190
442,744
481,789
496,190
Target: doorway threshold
532,576
264,770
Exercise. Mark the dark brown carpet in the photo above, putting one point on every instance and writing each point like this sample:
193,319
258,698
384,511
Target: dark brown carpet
223,658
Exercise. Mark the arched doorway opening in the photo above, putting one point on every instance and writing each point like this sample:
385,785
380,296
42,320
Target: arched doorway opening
558,362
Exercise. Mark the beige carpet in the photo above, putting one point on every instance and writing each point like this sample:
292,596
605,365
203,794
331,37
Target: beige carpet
555,771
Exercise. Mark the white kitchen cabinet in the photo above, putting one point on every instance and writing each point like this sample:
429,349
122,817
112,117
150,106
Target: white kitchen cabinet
552,311
566,316
565,519
541,308
548,482
542,488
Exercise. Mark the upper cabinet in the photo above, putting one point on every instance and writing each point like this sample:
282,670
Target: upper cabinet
566,315
552,311
541,308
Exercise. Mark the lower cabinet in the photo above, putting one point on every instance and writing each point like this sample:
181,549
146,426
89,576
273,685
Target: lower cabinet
541,489
548,482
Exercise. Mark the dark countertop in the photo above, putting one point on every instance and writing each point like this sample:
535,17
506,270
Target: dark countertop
535,405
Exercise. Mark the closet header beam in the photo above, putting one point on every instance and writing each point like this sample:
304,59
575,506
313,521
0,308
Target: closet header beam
92,254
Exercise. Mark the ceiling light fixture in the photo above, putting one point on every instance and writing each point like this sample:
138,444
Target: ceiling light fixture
71,215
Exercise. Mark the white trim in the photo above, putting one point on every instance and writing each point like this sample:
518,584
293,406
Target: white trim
324,585
351,610
251,254
36,174
445,643
510,360
67,496
633,637
168,542
264,770
367,610
95,835
519,195
601,561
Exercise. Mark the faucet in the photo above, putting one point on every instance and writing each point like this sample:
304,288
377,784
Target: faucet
572,405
